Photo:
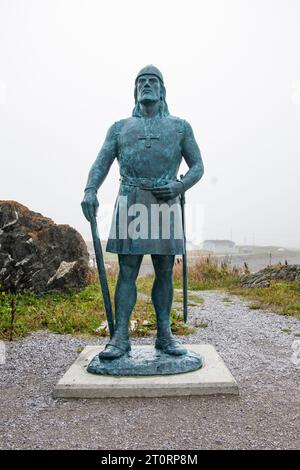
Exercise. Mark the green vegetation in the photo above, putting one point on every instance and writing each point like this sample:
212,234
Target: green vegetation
195,299
227,300
61,313
254,306
286,330
290,331
281,296
80,313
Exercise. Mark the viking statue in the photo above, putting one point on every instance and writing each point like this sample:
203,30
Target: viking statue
149,147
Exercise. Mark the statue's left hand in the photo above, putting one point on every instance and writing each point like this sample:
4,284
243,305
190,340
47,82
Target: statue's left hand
168,191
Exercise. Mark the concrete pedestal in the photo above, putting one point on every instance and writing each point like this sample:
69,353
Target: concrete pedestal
213,378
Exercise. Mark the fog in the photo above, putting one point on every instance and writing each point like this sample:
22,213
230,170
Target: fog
231,68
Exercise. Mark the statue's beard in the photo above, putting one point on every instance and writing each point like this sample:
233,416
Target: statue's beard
163,107
148,98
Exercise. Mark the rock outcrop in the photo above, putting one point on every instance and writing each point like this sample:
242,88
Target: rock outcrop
264,277
38,255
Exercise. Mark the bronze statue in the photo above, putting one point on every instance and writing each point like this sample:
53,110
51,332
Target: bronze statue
149,147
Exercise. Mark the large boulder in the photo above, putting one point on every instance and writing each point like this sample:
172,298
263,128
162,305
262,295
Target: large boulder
38,255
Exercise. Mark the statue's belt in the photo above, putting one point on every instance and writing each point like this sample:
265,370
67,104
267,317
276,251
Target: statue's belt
145,183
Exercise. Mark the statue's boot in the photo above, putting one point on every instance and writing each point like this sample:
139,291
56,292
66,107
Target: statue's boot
169,345
115,348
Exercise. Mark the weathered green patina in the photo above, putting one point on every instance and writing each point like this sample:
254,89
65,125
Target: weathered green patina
149,147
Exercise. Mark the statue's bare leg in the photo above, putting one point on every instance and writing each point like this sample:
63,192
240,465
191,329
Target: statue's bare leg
162,297
125,300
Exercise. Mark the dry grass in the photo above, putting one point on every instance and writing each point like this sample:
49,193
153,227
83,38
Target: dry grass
206,272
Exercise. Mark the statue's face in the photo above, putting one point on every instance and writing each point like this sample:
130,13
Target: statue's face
148,88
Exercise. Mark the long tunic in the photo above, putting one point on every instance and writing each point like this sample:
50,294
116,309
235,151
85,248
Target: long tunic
149,152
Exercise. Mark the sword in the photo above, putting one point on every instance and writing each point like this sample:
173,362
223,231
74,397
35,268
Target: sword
102,276
184,259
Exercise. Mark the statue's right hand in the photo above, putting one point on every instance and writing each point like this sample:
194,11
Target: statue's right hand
90,204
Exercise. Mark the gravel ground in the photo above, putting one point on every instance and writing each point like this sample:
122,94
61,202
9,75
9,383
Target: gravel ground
253,345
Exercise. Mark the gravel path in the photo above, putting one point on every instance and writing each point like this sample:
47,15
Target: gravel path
253,345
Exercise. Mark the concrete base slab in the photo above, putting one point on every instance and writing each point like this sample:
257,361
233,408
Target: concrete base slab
213,378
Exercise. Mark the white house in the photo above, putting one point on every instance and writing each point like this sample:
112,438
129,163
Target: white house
219,246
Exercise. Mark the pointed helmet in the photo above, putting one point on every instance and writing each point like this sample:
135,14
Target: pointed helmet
150,70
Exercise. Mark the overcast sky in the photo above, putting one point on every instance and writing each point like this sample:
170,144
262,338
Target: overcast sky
231,68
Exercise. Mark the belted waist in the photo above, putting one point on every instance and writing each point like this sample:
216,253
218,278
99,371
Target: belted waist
145,183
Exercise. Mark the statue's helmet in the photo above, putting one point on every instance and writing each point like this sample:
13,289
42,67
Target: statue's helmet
151,70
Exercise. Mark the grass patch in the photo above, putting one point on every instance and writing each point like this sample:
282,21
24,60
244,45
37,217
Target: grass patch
286,330
60,313
178,297
283,296
78,313
254,306
144,284
196,299
192,299
226,299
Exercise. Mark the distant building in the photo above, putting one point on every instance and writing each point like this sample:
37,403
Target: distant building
190,246
219,246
